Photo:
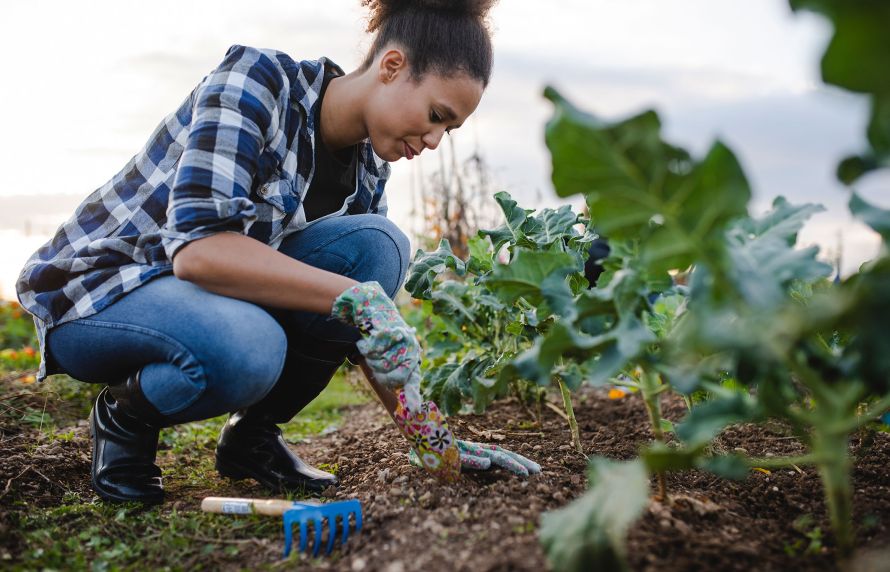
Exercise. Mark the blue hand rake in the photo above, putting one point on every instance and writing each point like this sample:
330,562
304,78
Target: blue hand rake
300,513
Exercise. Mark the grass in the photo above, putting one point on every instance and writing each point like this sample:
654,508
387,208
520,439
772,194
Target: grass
83,533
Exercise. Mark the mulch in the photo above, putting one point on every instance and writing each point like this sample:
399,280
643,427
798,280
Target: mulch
488,521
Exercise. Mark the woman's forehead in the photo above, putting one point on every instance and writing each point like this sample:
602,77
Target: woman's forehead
458,92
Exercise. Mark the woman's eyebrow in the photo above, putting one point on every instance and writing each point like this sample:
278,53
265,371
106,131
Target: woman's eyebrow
449,114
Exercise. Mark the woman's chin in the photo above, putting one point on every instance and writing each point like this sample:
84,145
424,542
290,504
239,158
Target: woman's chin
389,154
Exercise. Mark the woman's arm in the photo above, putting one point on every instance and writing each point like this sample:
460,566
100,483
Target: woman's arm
241,267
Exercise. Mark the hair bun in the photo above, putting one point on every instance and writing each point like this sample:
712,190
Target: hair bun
381,10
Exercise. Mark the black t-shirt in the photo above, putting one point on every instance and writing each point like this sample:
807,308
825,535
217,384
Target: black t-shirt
334,178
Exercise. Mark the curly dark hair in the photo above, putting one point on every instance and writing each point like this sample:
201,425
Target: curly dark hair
445,36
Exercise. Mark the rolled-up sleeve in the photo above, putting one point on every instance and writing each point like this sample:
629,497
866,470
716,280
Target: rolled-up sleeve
235,113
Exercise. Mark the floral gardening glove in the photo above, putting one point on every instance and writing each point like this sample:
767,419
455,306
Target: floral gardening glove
389,344
480,457
432,445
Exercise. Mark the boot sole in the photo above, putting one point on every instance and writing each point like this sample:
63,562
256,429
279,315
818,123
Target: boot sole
105,495
238,472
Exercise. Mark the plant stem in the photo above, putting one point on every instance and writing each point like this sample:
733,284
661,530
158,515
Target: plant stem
573,423
835,472
781,462
514,385
651,388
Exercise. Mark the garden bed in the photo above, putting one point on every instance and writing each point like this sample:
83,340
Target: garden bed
774,521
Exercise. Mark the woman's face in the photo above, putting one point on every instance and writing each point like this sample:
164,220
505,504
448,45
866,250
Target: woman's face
404,117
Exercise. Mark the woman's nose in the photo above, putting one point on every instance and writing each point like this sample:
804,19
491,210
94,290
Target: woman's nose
431,140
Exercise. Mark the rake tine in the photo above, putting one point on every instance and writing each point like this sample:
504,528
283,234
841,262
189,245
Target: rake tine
358,516
304,537
332,533
318,521
288,536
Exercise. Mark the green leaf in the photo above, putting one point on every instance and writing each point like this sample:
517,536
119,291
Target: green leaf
856,59
481,258
857,55
639,187
877,218
590,533
662,458
553,226
763,258
453,303
511,231
610,351
726,466
526,273
442,386
783,221
428,265
708,419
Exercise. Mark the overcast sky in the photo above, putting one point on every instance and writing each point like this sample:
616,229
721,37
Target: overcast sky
85,83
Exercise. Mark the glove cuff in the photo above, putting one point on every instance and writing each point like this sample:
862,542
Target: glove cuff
356,304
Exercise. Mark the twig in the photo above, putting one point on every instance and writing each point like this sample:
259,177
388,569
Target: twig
17,376
9,482
557,410
222,540
47,479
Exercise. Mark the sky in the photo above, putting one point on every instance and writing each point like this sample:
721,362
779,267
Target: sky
88,81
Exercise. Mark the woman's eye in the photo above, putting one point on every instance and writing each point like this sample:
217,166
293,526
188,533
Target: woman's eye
435,117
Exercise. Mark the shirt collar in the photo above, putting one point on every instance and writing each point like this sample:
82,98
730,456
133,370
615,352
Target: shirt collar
307,77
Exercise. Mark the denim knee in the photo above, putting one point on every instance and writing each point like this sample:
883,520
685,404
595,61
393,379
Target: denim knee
241,370
383,255
250,368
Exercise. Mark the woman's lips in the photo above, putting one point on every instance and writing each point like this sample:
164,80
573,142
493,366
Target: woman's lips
409,152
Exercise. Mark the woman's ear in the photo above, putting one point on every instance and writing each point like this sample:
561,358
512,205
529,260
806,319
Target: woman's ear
392,63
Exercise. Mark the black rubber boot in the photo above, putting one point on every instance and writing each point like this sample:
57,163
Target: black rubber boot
250,448
125,426
250,443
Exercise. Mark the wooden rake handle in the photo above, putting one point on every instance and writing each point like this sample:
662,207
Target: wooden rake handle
270,507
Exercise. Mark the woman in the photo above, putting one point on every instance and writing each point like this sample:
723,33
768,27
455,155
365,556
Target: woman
206,276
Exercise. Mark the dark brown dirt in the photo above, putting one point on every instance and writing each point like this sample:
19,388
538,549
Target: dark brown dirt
488,521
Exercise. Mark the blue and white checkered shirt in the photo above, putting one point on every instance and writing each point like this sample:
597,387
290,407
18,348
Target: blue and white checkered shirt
237,156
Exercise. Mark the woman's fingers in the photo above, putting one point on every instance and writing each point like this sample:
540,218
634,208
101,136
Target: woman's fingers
513,462
473,462
505,461
532,467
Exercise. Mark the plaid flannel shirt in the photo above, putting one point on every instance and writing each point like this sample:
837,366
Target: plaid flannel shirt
236,156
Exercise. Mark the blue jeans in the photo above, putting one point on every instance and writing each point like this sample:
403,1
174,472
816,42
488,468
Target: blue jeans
201,354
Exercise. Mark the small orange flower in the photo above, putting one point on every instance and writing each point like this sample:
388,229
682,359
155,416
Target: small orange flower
13,355
616,393
28,351
28,379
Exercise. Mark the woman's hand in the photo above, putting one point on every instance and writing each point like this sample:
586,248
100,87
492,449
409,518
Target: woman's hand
480,457
432,443
389,345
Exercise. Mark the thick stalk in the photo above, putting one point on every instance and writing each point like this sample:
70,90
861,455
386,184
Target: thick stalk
835,471
573,424
650,387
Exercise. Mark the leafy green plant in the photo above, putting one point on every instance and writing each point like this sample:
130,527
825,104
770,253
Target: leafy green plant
487,311
759,311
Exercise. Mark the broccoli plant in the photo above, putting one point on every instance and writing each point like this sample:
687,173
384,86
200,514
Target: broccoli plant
759,310
484,312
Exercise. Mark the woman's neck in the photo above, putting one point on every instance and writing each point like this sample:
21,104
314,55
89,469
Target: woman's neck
342,122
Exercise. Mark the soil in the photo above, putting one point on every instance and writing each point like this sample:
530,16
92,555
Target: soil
487,522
